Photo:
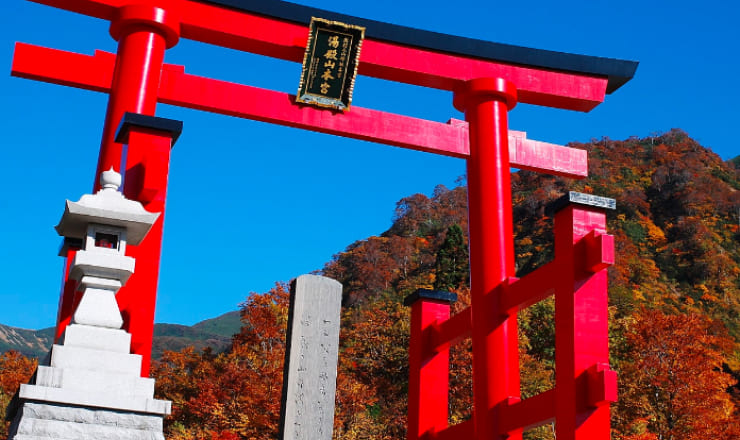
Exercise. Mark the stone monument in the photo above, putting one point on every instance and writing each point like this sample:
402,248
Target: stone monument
310,378
90,387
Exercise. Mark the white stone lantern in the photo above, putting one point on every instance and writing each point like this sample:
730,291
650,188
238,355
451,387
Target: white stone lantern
106,222
90,386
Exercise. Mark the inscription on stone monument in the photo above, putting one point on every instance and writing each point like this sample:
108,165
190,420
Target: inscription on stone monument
309,382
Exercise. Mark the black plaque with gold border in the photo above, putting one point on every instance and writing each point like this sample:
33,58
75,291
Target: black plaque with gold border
330,64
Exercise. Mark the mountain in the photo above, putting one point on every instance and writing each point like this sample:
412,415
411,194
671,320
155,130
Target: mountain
31,343
215,333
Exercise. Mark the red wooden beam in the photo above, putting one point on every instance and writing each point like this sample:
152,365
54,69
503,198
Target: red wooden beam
463,430
178,88
602,385
534,155
599,251
64,68
520,293
380,59
529,413
453,330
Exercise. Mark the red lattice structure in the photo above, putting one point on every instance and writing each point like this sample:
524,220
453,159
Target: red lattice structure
487,79
585,385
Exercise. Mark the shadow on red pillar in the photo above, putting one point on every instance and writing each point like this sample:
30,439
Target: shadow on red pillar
69,299
148,141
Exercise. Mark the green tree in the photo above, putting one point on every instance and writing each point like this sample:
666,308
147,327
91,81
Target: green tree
452,266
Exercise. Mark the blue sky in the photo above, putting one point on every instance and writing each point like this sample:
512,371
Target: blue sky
251,203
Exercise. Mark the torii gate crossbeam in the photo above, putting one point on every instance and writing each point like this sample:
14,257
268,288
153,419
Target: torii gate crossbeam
176,88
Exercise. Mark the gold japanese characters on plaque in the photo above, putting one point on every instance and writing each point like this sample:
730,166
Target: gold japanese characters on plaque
330,64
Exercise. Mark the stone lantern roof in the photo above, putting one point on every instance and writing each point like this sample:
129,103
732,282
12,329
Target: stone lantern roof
107,207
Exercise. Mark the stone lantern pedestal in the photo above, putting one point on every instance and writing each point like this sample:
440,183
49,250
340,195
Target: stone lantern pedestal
90,386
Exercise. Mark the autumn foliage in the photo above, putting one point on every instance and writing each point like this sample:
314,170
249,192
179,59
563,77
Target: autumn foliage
15,369
674,307
674,385
236,393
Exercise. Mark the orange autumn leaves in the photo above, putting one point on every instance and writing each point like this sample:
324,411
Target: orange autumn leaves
672,384
15,369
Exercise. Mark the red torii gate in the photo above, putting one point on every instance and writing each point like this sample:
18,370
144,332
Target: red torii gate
487,79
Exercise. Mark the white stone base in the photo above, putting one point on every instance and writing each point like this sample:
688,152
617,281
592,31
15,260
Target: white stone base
89,388
96,338
36,421
98,306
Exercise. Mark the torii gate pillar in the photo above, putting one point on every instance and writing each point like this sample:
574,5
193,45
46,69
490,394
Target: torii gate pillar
486,102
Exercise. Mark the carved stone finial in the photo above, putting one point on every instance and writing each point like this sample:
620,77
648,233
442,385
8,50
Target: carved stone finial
110,179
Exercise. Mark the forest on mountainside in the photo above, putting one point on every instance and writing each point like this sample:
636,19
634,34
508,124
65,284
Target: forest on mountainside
674,308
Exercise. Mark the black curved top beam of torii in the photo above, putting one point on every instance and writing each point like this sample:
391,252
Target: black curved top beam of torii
617,71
